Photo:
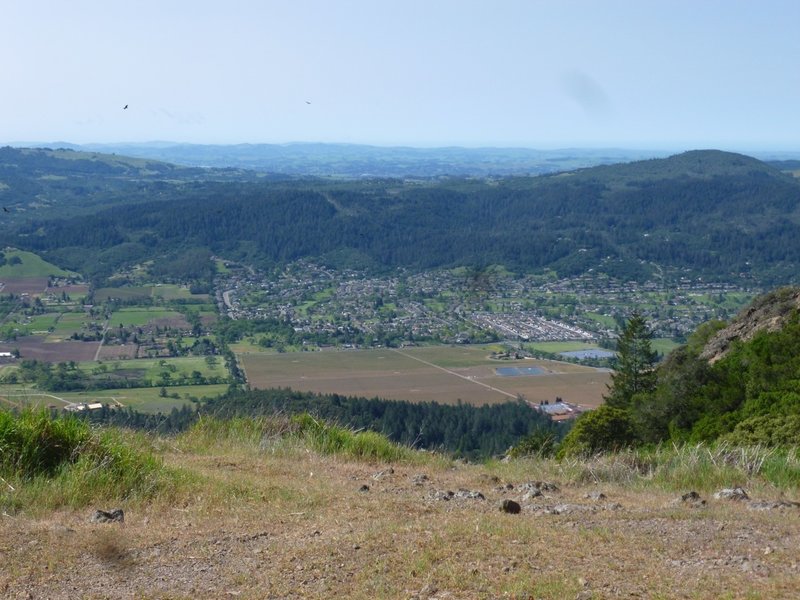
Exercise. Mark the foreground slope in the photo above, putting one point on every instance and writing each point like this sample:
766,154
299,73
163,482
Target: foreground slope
273,516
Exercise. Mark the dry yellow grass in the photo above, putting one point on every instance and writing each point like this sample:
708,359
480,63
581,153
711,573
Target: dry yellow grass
274,520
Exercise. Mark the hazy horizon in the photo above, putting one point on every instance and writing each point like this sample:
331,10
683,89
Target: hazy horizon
660,76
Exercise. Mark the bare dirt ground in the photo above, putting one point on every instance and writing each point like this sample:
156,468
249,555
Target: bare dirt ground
114,351
402,378
304,526
31,347
24,285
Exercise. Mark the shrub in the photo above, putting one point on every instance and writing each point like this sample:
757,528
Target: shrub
603,429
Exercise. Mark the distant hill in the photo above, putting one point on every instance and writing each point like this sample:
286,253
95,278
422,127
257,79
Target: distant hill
44,180
706,213
359,161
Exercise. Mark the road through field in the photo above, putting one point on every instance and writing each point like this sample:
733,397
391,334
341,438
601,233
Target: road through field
466,378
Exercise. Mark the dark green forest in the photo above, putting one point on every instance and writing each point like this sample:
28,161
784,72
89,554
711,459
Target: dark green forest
703,213
474,432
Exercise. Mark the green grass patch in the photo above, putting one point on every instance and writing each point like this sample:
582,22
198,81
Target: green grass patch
364,445
122,293
604,320
556,347
146,400
154,368
48,462
139,317
42,323
169,292
676,468
29,265
663,345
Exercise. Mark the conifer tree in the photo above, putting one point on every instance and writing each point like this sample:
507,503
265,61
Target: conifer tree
634,371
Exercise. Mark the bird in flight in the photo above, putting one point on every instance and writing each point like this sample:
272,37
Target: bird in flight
125,107
308,102
5,209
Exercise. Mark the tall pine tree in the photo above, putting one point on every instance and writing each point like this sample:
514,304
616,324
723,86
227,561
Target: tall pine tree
634,371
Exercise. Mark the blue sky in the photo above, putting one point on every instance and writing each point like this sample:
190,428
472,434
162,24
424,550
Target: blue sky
653,74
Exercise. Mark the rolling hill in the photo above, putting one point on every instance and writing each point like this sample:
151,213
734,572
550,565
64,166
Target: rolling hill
707,214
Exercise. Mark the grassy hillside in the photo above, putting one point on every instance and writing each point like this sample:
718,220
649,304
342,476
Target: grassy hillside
276,508
19,264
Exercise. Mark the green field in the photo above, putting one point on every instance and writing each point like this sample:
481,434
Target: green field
138,317
147,400
556,347
664,345
152,368
163,291
31,266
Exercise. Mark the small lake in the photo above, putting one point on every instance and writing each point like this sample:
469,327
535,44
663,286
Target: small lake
519,371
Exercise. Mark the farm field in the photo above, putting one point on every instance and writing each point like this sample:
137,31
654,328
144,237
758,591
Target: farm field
444,374
149,368
139,317
147,400
164,291
37,347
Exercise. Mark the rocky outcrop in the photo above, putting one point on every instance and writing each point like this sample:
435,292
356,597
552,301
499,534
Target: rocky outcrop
767,313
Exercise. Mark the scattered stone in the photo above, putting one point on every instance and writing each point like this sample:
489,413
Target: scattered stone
531,494
732,494
469,495
440,495
692,498
510,507
776,505
364,488
768,550
114,516
545,486
596,496
419,479
381,474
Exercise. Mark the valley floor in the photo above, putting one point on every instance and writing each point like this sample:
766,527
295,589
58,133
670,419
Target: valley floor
295,524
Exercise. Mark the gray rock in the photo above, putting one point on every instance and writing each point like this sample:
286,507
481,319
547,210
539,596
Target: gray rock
776,505
692,498
510,507
544,486
596,496
442,495
469,495
531,494
364,488
419,479
732,494
114,516
382,474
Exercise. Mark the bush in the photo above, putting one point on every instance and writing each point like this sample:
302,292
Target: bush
332,439
603,429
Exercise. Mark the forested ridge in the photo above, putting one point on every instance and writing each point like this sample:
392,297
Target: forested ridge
706,213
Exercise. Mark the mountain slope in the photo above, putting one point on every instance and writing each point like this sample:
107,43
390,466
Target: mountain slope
704,213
